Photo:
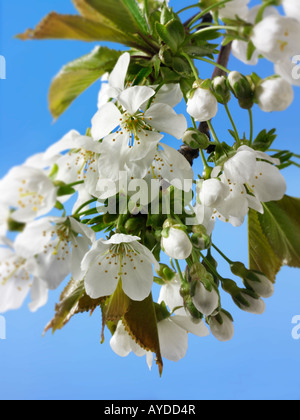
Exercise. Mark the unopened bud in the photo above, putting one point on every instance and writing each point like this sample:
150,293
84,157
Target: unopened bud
221,326
176,243
204,295
249,302
242,89
195,139
221,90
165,272
259,283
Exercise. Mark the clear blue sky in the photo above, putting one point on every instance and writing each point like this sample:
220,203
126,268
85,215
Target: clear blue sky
261,362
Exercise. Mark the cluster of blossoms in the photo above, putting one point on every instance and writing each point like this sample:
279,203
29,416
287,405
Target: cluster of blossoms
123,163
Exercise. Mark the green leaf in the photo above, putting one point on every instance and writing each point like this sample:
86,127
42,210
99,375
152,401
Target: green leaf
261,255
77,76
67,306
274,237
123,13
141,323
163,33
73,27
264,140
137,15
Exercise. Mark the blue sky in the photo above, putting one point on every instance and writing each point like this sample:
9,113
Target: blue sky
261,362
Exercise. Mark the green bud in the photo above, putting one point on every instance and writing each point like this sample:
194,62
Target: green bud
242,88
134,225
239,269
14,226
167,15
165,55
221,90
191,309
195,139
165,272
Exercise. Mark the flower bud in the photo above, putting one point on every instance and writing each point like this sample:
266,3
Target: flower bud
195,139
213,192
221,326
248,303
177,244
221,90
241,88
206,301
274,94
202,105
165,272
260,284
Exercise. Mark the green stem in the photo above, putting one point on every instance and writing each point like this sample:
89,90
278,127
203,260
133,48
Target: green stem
180,272
251,125
216,27
237,137
211,267
215,137
221,253
205,11
77,212
188,8
219,66
193,67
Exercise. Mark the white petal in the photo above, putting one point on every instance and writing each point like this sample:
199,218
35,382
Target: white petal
133,98
173,340
198,329
101,280
105,121
268,184
118,75
137,277
163,118
39,295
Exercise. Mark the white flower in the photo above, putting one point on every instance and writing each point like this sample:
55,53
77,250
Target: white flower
29,192
122,344
274,94
205,301
134,143
234,8
115,81
289,70
121,258
173,331
261,176
80,163
17,279
58,245
222,328
172,166
202,106
240,48
291,8
277,37
177,245
4,215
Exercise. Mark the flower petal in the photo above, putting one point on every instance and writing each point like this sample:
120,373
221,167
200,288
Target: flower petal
105,121
133,98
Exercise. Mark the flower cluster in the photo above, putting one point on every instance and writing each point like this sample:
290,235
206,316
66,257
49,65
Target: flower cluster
108,207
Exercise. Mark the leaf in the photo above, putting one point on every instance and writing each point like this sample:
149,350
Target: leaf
56,26
77,76
67,306
281,225
264,140
274,237
123,13
141,323
261,256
